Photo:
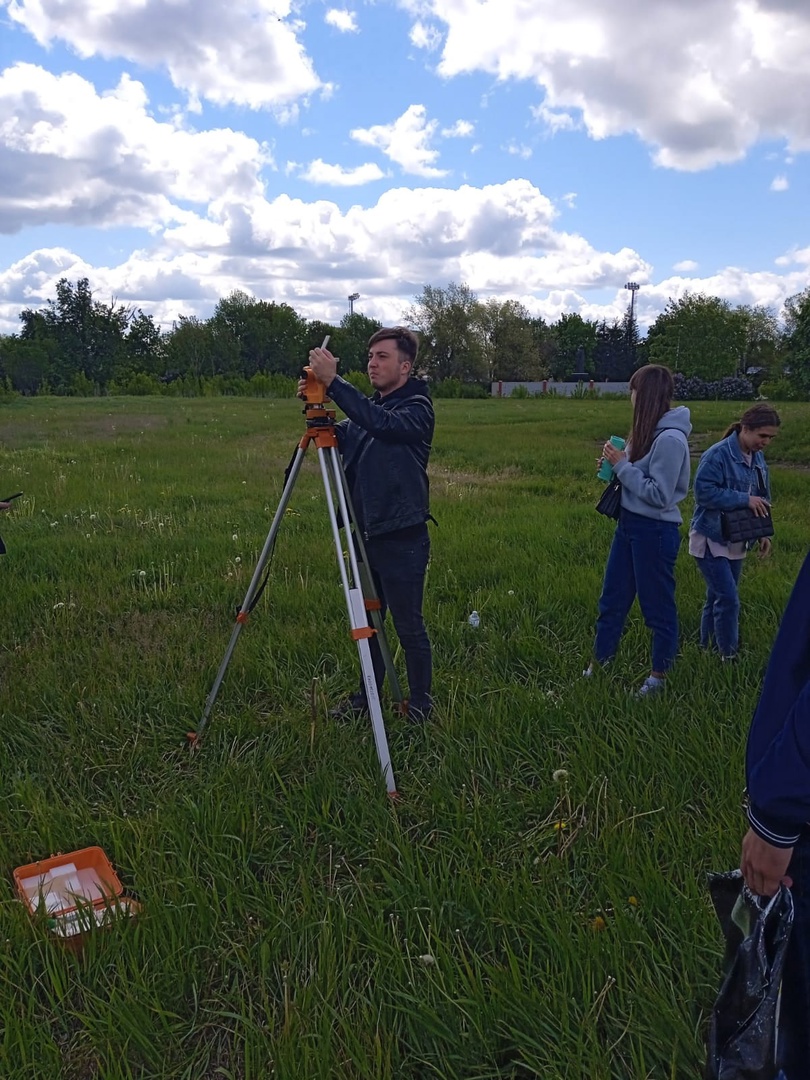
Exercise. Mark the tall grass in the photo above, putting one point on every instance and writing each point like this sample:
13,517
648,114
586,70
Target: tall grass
535,904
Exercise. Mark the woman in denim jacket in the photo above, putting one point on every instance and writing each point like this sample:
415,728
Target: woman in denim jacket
732,473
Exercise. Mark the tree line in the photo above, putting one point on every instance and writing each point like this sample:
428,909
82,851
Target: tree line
77,343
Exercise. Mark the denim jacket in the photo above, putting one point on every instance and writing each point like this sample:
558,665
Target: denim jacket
723,481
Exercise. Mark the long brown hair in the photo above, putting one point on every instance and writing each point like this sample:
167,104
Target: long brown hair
760,415
654,387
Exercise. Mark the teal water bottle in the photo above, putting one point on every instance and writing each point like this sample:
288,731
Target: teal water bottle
606,469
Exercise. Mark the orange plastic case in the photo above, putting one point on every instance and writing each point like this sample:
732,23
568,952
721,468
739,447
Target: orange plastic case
75,892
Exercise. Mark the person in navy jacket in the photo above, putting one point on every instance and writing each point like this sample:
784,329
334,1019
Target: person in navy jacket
385,445
776,848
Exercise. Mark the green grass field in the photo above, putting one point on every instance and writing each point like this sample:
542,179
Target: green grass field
535,905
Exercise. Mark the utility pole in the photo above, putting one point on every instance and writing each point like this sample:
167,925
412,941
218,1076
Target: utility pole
356,296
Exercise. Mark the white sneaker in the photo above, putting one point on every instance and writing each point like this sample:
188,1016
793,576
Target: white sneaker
650,687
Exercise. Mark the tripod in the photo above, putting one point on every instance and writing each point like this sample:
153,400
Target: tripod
362,604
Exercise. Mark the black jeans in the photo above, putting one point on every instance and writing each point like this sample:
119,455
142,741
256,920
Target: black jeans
398,563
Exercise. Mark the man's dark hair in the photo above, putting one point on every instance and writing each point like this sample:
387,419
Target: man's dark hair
407,341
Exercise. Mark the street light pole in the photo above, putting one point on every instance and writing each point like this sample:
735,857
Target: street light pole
354,296
633,287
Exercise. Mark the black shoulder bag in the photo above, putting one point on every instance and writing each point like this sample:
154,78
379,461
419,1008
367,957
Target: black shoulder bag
742,524
610,501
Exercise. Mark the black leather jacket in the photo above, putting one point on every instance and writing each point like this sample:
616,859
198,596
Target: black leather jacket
385,445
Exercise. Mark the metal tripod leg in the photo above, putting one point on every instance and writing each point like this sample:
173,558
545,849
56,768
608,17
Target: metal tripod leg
244,610
370,594
334,482
355,604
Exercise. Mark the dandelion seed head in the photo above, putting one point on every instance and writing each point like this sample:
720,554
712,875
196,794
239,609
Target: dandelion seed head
142,573
559,774
427,960
237,560
235,537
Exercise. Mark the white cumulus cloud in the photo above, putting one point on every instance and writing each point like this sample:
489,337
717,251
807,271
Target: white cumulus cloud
425,36
345,21
406,141
685,266
780,183
72,155
462,129
245,51
319,172
700,81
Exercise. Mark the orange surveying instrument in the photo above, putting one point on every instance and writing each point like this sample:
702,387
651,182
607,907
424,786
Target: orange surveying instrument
362,604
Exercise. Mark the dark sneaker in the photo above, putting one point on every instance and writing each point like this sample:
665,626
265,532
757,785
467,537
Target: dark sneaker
419,715
348,709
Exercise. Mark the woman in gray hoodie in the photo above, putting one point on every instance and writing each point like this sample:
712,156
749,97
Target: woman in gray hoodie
654,474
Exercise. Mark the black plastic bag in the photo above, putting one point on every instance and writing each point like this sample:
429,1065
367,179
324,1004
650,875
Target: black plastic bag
743,1030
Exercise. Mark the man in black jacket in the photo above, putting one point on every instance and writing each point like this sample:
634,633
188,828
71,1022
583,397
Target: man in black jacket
385,445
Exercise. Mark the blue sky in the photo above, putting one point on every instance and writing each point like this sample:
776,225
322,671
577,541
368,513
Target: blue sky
174,151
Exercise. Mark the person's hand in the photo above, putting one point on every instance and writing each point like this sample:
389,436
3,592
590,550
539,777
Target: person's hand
763,866
612,454
759,505
302,385
765,547
324,365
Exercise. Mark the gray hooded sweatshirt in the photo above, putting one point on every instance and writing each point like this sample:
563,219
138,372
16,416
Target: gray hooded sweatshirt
655,484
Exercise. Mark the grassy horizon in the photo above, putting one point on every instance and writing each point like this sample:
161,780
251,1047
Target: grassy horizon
534,906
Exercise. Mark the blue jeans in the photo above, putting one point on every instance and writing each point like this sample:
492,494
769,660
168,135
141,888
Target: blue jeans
720,621
398,566
641,563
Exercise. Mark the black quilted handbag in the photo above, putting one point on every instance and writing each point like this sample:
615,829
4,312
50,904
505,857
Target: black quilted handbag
742,524
610,502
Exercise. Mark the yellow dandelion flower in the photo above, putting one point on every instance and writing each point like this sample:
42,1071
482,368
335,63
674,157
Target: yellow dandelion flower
560,825
632,901
598,924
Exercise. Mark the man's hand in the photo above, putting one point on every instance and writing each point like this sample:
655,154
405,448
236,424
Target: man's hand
324,365
763,866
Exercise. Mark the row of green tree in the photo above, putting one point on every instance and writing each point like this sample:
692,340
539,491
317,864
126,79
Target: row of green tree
77,341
